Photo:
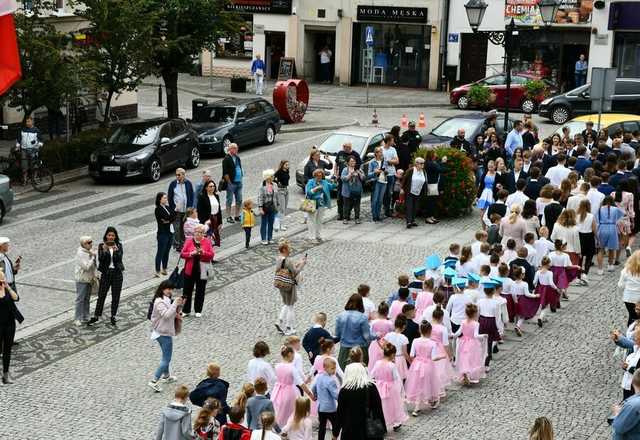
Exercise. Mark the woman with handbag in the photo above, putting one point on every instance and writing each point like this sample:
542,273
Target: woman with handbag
352,178
288,272
268,205
434,171
360,415
166,322
164,217
197,254
413,188
210,210
8,314
86,275
318,190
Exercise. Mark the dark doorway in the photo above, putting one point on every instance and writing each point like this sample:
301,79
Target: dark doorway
315,42
473,58
274,48
570,54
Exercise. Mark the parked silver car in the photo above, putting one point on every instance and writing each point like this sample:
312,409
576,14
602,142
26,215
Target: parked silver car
6,196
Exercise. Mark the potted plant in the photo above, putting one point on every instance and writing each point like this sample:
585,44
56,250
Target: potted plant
535,92
481,96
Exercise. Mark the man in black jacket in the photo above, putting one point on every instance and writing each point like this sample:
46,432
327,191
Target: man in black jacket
514,175
232,174
529,271
535,184
411,138
460,142
552,211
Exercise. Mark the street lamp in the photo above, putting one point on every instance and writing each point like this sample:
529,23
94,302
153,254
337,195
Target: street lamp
475,13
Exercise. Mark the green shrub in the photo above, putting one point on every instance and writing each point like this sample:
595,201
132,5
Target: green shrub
536,88
61,156
457,183
479,95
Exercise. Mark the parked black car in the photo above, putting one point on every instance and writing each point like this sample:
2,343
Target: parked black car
472,124
243,121
146,149
561,108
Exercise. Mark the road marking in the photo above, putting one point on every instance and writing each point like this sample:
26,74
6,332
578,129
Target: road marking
137,188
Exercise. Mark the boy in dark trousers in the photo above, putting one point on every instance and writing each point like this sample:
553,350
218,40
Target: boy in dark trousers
311,339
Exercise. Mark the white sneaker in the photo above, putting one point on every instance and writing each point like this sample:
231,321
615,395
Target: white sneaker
265,242
600,271
77,323
155,386
283,228
168,379
198,315
610,268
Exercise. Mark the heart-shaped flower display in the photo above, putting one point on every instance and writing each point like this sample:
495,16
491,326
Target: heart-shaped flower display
291,99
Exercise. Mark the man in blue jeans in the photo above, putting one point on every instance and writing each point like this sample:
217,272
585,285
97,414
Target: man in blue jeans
391,158
232,173
626,417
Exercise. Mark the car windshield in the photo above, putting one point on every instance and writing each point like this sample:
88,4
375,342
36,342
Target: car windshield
449,128
576,127
135,134
333,143
579,90
217,114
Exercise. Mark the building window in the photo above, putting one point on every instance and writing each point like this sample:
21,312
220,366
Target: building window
322,13
238,44
626,56
60,4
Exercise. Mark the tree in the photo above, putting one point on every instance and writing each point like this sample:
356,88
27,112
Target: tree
119,46
50,68
182,30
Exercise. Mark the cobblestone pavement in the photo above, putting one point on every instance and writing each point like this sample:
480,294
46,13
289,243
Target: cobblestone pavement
91,383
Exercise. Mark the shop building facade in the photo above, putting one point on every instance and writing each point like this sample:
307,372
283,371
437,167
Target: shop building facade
550,52
405,48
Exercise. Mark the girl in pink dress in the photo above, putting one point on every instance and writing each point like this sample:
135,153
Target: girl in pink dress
385,374
326,351
471,349
546,288
380,326
422,386
401,342
424,299
285,391
398,304
440,336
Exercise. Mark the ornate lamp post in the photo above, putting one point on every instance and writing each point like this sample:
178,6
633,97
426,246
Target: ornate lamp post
475,13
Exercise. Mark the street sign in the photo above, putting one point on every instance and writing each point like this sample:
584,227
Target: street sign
603,83
369,36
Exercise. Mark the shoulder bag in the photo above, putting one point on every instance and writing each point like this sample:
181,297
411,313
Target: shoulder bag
177,276
284,279
432,188
308,205
375,428
222,184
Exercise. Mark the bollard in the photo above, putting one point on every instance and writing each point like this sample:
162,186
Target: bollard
159,95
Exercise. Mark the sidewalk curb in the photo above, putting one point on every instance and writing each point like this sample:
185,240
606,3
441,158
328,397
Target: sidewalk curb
298,128
357,104
58,179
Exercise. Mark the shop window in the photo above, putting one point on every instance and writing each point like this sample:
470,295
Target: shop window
238,44
627,88
627,54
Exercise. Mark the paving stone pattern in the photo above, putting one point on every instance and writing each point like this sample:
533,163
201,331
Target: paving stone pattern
90,384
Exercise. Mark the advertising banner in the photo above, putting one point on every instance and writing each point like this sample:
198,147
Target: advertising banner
527,13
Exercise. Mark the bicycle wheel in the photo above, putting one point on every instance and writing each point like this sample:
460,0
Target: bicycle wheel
41,179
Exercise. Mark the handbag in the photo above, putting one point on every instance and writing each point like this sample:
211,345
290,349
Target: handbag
95,285
433,188
222,184
177,277
283,278
374,427
308,205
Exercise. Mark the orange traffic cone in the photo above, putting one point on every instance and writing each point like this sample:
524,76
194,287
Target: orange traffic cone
374,118
404,121
421,122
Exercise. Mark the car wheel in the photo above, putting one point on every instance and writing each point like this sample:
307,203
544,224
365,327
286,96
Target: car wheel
226,141
463,102
194,157
154,170
560,114
528,105
270,135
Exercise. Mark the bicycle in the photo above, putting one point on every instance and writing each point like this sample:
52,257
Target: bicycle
40,177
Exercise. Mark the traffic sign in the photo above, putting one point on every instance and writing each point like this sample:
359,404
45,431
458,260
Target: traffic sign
369,36
603,82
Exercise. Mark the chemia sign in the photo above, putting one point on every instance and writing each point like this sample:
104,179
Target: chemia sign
392,13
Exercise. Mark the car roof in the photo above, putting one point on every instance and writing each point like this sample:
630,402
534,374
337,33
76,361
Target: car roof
361,131
149,122
477,115
607,118
232,102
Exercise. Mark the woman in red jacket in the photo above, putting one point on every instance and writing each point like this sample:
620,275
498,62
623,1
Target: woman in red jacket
197,254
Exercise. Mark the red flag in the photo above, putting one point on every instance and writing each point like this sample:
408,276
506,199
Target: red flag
9,56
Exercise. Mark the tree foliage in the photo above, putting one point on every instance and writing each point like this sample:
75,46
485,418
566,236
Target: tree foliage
51,69
119,46
183,28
